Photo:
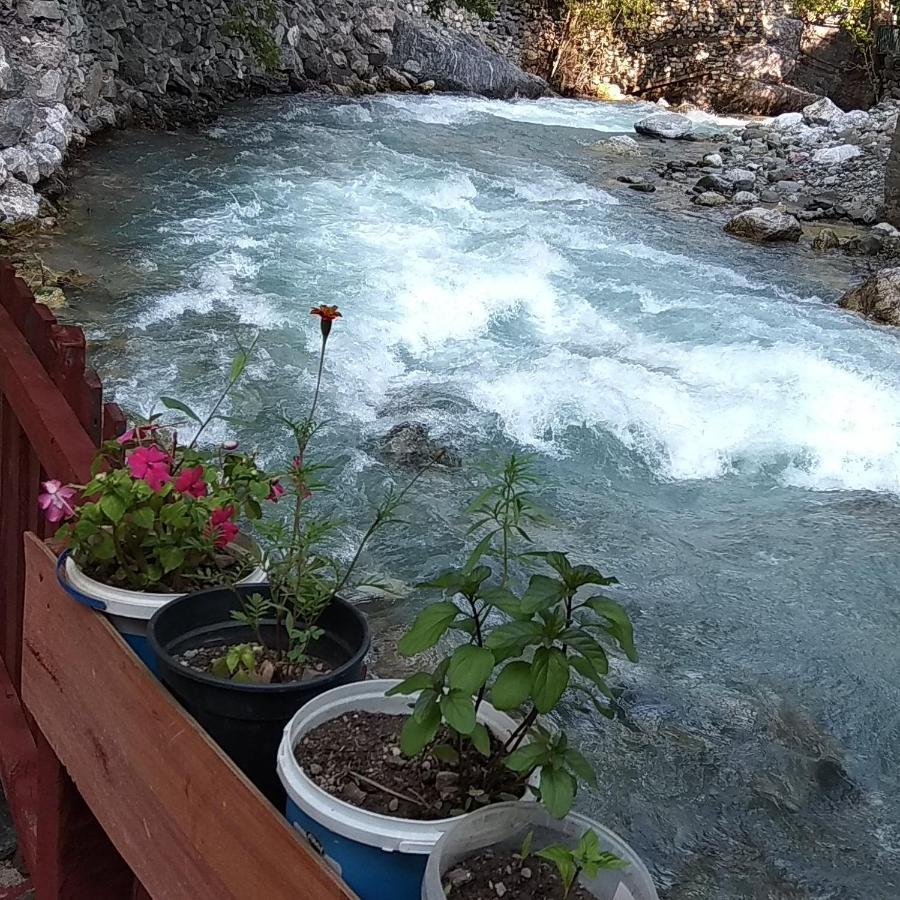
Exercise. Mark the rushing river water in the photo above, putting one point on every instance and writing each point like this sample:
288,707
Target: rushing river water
711,428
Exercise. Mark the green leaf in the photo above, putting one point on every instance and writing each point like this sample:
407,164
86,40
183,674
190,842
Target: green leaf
557,790
619,624
445,753
104,547
416,735
428,629
425,705
473,580
585,668
482,547
170,558
514,636
527,844
446,581
582,575
581,642
481,739
418,682
565,864
470,667
143,517
238,365
504,600
113,507
557,561
172,403
580,766
542,593
549,678
527,758
513,685
588,846
458,711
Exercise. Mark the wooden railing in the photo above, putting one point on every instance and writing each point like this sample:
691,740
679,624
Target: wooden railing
158,811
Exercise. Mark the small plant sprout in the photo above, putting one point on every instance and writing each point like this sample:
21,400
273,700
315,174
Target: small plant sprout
527,645
238,664
585,857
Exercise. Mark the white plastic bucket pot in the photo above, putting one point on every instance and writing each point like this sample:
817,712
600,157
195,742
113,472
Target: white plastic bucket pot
129,611
380,857
505,826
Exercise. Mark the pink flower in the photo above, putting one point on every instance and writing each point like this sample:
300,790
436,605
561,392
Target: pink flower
221,528
151,465
135,434
230,445
56,501
190,481
276,492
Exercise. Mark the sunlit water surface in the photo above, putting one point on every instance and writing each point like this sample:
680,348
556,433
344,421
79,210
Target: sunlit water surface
711,429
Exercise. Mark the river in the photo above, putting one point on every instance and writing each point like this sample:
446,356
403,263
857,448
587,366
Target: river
709,427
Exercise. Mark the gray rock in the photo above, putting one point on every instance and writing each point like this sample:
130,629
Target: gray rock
50,88
710,198
5,71
764,226
21,164
856,118
717,183
713,160
822,112
745,198
3,173
43,9
48,158
425,87
395,80
741,179
826,239
459,62
621,145
787,121
18,202
410,444
877,298
788,188
670,126
16,117
829,156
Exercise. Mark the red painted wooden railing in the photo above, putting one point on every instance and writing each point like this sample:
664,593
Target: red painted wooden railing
52,418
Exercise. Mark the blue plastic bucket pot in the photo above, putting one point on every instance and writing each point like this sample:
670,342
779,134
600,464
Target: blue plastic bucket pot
380,857
129,611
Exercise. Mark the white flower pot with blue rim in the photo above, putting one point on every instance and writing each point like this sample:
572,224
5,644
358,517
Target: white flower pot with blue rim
381,857
129,611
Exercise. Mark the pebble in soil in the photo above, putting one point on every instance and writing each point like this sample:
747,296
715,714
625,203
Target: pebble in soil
357,757
489,876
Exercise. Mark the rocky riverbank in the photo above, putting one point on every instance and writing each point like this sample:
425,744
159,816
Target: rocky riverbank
820,171
72,68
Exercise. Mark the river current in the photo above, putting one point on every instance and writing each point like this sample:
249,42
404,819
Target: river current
708,425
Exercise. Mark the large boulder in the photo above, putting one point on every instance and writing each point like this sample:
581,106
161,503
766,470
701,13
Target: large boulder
877,298
836,156
21,164
16,118
670,126
455,61
5,71
823,112
18,202
764,226
409,444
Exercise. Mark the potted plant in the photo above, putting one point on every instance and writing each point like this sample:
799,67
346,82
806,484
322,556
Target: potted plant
520,852
455,748
242,660
159,518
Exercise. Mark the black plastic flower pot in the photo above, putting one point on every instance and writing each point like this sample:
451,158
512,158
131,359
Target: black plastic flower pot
246,720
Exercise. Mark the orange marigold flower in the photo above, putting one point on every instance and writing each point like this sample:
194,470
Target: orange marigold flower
326,313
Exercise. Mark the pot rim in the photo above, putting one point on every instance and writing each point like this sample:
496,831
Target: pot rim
416,836
310,684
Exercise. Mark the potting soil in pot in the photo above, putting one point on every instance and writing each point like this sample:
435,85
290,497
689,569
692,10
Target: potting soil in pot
489,876
271,667
357,757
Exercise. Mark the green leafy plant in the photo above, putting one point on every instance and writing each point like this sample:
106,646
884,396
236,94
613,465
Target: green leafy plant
304,577
158,514
525,648
585,857
254,26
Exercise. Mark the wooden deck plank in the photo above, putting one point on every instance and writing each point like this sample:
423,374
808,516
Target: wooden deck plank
186,821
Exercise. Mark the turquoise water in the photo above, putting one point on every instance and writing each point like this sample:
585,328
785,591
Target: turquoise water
710,427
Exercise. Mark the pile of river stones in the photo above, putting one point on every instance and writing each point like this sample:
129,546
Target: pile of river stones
821,165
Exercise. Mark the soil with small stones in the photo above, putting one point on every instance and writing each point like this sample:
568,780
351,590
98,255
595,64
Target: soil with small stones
271,669
357,758
490,876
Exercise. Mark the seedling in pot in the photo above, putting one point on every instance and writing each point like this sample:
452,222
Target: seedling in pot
530,644
585,857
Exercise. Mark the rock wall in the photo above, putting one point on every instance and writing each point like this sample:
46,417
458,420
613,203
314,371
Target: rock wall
69,68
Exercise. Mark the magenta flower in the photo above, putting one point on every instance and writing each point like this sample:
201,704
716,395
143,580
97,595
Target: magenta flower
135,434
151,465
191,482
221,528
229,446
56,501
276,492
